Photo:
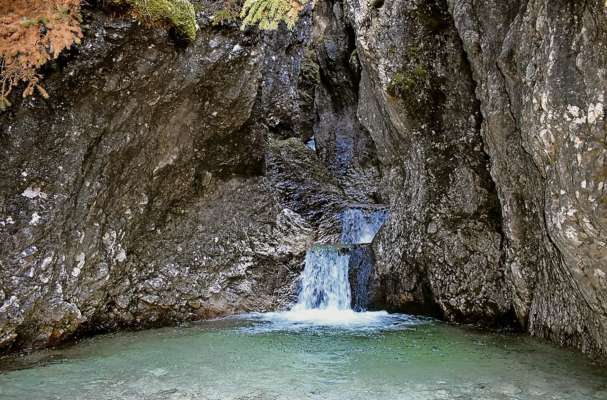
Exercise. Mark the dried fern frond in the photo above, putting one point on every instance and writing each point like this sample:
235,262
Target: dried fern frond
33,32
267,14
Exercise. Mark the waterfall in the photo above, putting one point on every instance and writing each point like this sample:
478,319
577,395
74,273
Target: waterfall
326,297
325,283
311,144
360,225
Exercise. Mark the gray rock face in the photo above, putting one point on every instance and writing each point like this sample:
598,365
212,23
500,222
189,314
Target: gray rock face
137,195
440,251
451,91
343,143
162,184
540,73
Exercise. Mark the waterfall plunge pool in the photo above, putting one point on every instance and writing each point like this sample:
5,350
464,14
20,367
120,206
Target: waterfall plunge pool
321,349
265,356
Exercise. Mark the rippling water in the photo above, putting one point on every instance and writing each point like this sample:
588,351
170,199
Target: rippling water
297,356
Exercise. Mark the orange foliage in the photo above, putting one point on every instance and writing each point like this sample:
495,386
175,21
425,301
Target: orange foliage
32,32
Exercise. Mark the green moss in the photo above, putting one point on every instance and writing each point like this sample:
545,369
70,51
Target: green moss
413,86
413,52
405,83
400,84
180,13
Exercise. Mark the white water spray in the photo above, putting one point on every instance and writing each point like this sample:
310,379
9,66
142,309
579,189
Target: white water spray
325,283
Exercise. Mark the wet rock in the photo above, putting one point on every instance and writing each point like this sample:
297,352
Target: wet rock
488,122
343,143
439,252
305,185
164,183
361,267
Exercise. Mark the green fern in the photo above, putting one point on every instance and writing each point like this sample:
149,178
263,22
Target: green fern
267,14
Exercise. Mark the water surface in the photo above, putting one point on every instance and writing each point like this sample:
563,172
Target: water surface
290,356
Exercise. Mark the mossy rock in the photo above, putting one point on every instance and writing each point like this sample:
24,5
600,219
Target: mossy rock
179,13
413,86
407,83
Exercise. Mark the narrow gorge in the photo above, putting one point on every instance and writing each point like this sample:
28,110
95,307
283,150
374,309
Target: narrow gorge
406,161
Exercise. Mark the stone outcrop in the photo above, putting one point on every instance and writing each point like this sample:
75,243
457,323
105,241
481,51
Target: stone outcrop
489,122
137,196
164,183
440,251
540,73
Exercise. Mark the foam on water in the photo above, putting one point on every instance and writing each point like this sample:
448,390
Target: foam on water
325,298
329,320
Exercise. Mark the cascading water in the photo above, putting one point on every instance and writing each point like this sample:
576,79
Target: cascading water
325,283
326,296
320,350
361,224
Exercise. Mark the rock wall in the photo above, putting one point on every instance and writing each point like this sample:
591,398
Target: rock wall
489,122
137,195
440,252
540,73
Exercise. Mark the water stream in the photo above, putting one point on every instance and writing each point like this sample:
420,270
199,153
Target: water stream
361,224
325,283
